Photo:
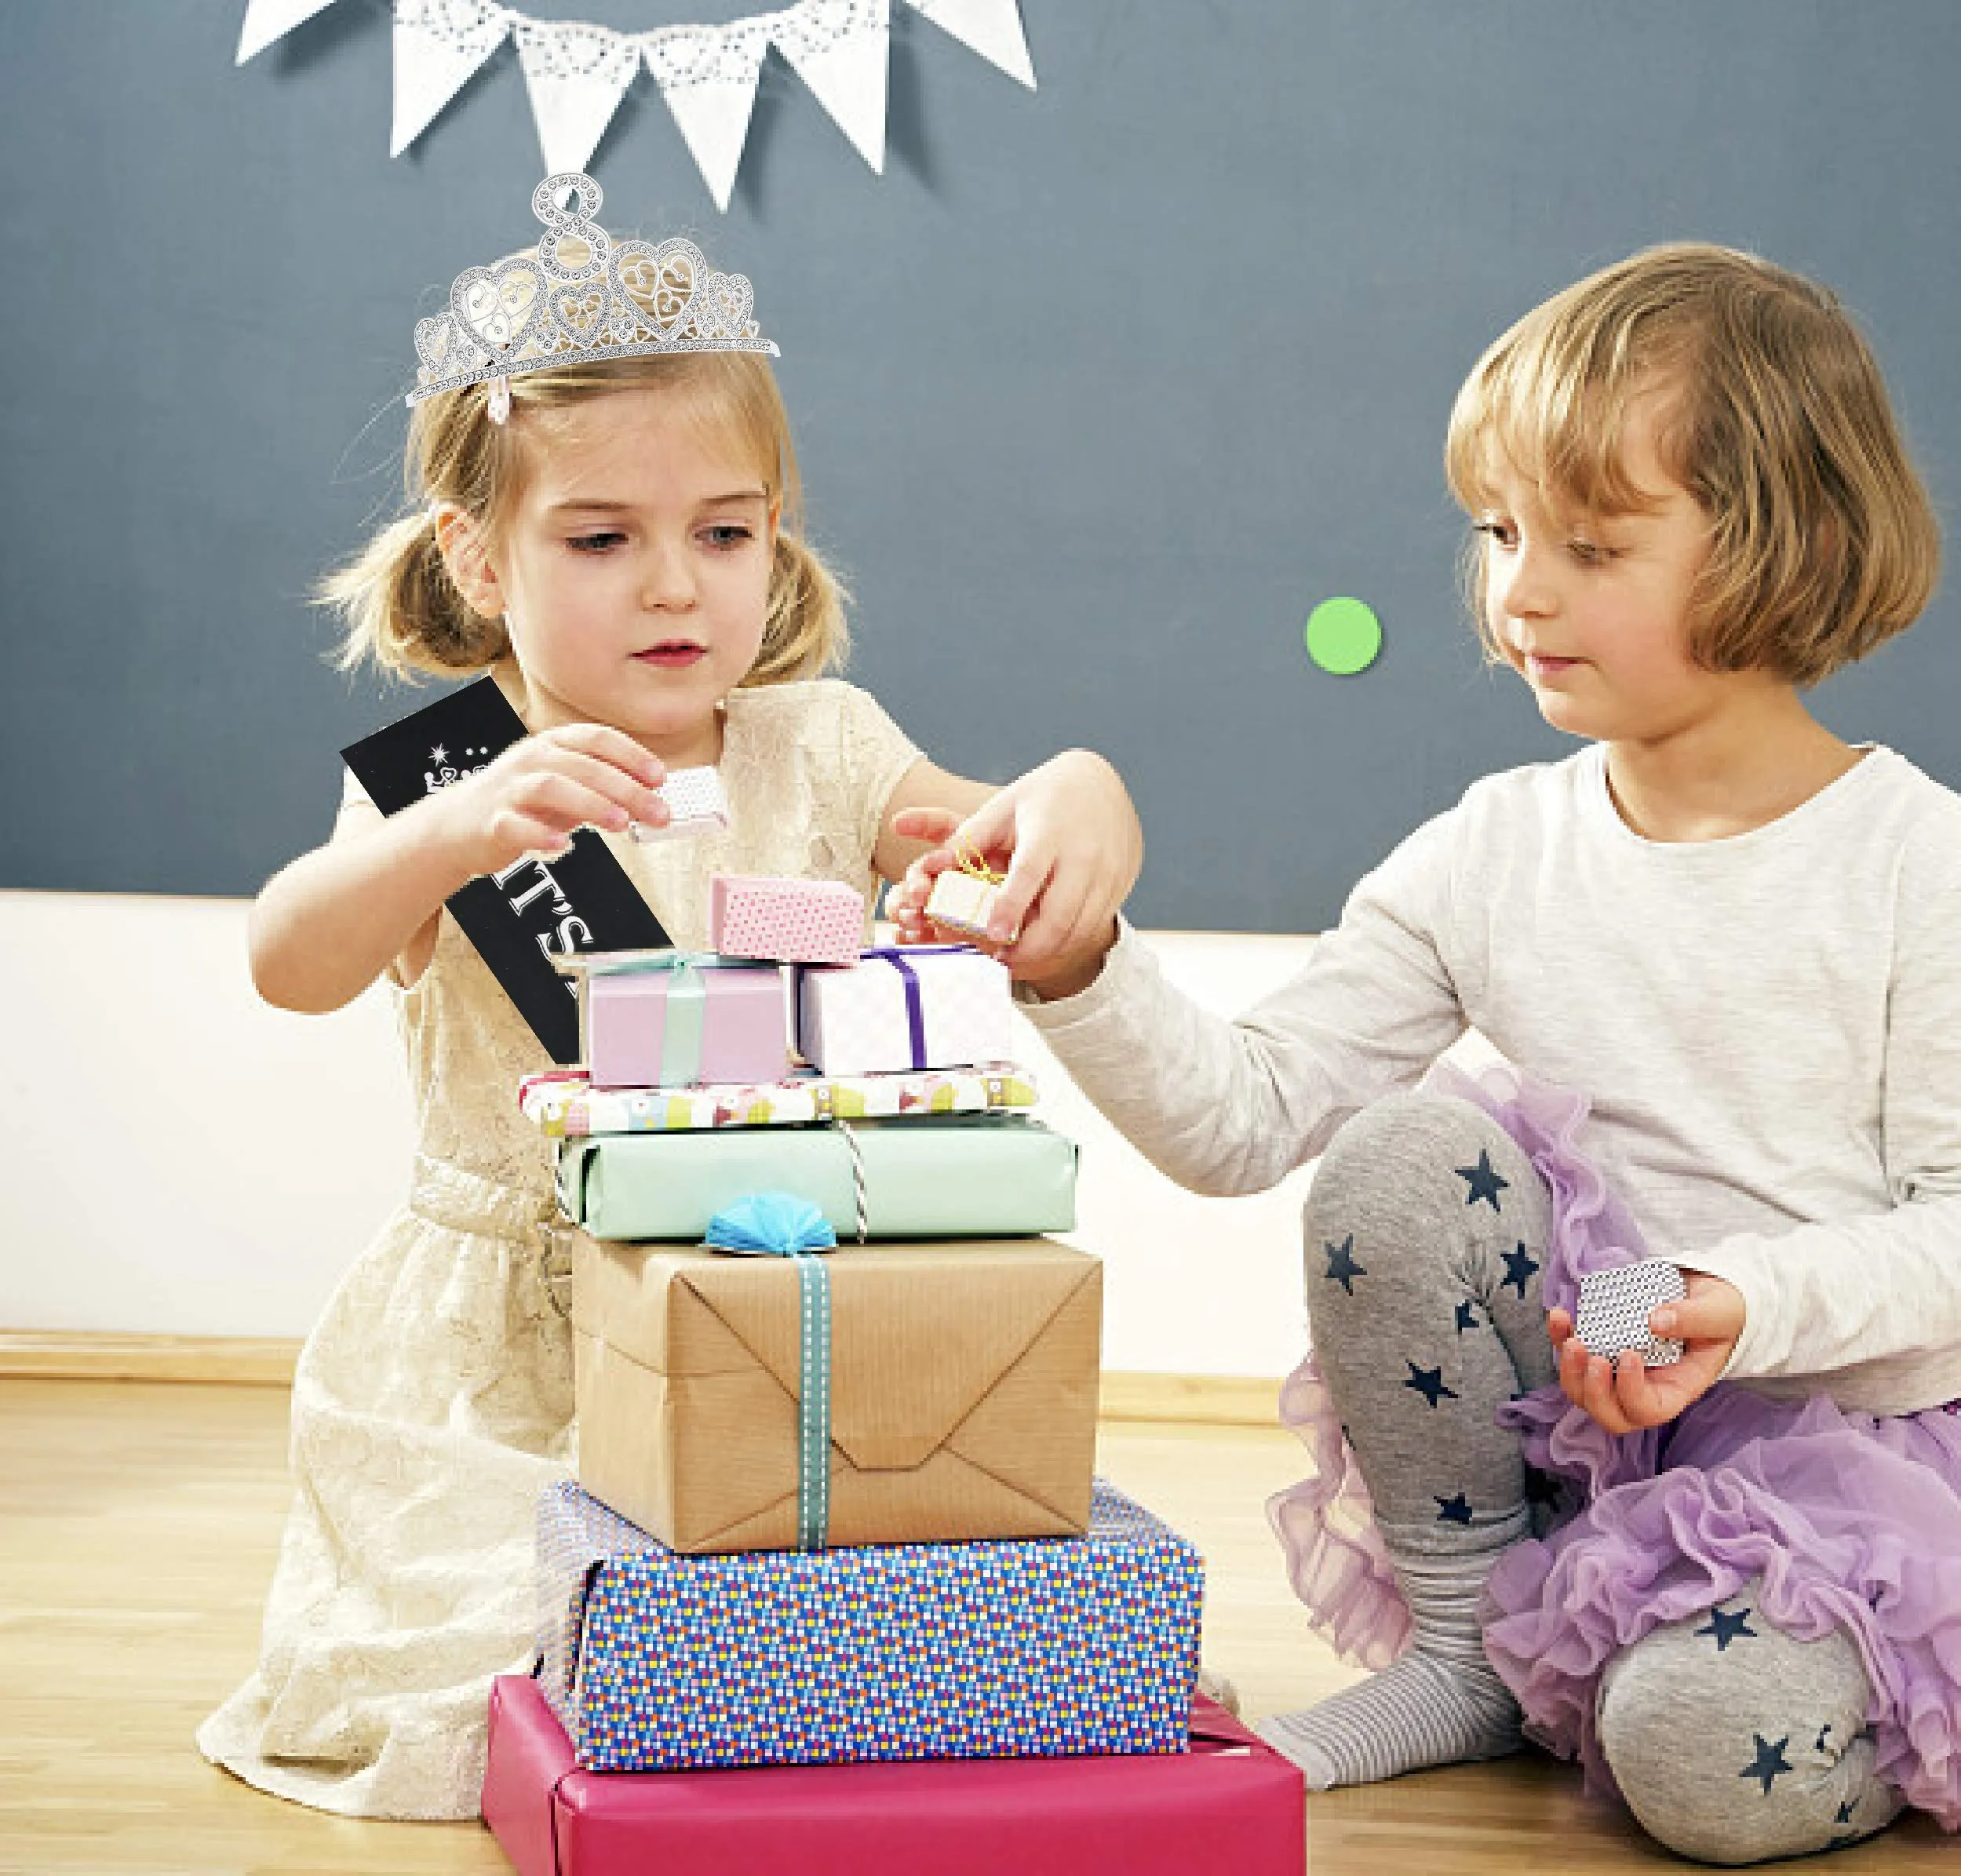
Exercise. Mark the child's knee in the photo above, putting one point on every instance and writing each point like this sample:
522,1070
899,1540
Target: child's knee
1733,1743
1410,1173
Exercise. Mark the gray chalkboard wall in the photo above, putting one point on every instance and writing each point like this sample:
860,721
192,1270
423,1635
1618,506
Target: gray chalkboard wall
1099,390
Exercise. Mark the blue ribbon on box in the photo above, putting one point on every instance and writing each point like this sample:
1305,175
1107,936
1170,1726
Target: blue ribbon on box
898,957
779,1224
682,1021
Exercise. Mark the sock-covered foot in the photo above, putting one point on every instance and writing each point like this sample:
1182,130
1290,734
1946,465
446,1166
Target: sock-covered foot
1419,1712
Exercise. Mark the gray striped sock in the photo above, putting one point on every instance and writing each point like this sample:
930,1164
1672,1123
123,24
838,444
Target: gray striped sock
1440,1705
1421,1712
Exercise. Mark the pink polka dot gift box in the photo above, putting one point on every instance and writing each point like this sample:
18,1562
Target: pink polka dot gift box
785,921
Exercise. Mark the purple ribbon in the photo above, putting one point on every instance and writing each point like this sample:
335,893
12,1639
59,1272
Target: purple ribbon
896,957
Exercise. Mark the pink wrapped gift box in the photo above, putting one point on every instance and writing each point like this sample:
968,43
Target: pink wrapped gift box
696,1020
909,1007
1231,1803
792,921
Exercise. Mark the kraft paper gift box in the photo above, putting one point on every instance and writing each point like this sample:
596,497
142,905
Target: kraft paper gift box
796,921
962,1384
670,1019
1228,1804
952,1175
1043,1649
563,1104
904,1007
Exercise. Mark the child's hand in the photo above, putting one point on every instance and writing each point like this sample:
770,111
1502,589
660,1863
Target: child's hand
1067,837
1626,1394
542,790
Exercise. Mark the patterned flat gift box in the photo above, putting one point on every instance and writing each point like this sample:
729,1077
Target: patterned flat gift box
674,1018
563,1104
911,1006
952,1176
1044,1648
958,1384
794,921
1229,1804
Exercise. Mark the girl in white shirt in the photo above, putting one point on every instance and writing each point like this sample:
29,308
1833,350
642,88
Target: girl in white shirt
1720,945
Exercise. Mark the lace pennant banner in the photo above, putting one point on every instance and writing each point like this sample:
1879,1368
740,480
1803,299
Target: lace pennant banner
266,21
577,73
439,45
576,76
991,28
839,49
708,74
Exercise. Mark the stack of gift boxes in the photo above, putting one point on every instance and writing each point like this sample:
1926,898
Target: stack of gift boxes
836,1392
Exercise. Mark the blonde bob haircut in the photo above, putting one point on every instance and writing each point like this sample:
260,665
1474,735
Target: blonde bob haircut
401,609
1822,542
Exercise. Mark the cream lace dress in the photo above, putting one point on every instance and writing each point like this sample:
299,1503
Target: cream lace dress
434,1398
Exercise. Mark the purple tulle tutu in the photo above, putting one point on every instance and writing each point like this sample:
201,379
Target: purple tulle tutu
1852,1521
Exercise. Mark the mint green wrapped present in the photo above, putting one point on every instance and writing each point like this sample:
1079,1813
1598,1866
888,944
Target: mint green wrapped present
957,1176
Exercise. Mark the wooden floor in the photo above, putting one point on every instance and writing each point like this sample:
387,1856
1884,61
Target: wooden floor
138,1525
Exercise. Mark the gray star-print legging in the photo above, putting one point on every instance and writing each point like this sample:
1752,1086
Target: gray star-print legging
1426,1233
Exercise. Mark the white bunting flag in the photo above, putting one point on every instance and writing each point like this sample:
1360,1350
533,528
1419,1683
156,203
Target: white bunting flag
576,76
266,21
991,28
841,50
708,74
439,44
577,73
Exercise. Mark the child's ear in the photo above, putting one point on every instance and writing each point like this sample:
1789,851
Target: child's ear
461,544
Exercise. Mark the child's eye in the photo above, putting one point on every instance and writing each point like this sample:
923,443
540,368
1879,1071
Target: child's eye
1500,532
1589,553
726,535
595,544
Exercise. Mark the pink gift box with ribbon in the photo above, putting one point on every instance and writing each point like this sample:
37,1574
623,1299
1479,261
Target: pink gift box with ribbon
905,1007
674,1019
797,921
1230,1803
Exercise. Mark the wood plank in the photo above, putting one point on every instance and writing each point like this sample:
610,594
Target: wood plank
104,1355
96,1355
138,1528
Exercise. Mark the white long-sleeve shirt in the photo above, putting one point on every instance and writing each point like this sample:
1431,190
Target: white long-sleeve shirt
1767,1027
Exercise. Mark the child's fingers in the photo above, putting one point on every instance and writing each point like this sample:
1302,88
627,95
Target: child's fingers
604,744
1559,1326
612,795
1055,929
1712,1311
935,824
562,803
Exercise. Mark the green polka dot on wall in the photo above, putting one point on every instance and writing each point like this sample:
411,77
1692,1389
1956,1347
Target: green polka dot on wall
1343,636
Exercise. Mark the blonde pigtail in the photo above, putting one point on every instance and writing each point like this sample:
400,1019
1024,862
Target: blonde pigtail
805,634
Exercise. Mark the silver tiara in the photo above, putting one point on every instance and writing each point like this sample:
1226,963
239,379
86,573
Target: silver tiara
623,300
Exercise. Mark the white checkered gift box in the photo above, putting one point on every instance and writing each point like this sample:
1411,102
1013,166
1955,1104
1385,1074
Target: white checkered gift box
694,799
855,1019
1614,1307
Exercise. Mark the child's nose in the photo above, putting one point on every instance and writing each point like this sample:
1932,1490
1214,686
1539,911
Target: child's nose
667,583
1527,589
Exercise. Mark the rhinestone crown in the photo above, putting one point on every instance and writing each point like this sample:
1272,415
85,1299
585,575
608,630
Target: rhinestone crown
622,299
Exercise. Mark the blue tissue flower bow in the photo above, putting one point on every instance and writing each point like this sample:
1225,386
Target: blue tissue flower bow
781,1224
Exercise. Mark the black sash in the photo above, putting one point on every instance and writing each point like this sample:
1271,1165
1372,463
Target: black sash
520,918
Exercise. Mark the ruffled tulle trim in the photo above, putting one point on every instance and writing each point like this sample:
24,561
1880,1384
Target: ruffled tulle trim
1852,1523
1326,1523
